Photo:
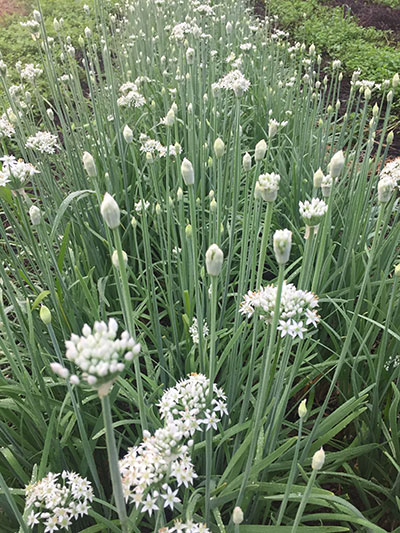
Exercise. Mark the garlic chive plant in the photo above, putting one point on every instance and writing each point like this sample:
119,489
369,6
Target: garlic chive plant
182,174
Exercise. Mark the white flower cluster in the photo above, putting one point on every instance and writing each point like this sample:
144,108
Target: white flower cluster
6,128
273,126
131,97
56,501
313,212
43,141
15,172
179,31
267,187
165,455
153,147
234,80
392,171
392,362
30,72
297,308
194,330
99,354
189,527
141,205
389,179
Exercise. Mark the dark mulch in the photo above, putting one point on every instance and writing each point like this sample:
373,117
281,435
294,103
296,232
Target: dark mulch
379,16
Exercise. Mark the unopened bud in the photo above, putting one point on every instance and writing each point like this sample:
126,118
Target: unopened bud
179,193
390,137
237,516
397,270
282,245
128,134
389,97
375,110
89,164
214,260
213,205
50,114
336,164
261,148
187,172
35,215
247,162
302,410
395,80
189,231
317,179
219,147
170,118
110,211
115,260
45,315
318,460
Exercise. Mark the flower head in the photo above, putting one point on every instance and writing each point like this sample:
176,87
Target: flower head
57,500
100,355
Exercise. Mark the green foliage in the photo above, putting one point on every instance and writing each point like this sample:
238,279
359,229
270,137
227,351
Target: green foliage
338,35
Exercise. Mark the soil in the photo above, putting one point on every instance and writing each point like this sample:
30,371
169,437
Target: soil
379,16
8,7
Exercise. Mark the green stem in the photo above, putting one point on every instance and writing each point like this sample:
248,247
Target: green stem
304,500
260,402
209,434
113,464
130,324
292,474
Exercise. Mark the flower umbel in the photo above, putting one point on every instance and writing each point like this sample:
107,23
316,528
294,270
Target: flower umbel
100,355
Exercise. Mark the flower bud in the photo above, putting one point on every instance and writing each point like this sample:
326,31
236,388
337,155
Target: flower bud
179,193
219,148
50,114
45,315
397,270
133,222
110,211
375,110
367,93
336,164
210,162
189,231
385,189
318,460
261,148
187,172
228,28
190,56
115,261
395,80
35,215
237,516
317,179
89,164
128,134
302,410
214,260
247,162
389,138
170,118
389,97
282,245
213,205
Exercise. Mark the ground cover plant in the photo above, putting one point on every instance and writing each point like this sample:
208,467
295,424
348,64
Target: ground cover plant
334,31
199,281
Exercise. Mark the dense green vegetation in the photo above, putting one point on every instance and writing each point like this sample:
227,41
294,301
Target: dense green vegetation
338,35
